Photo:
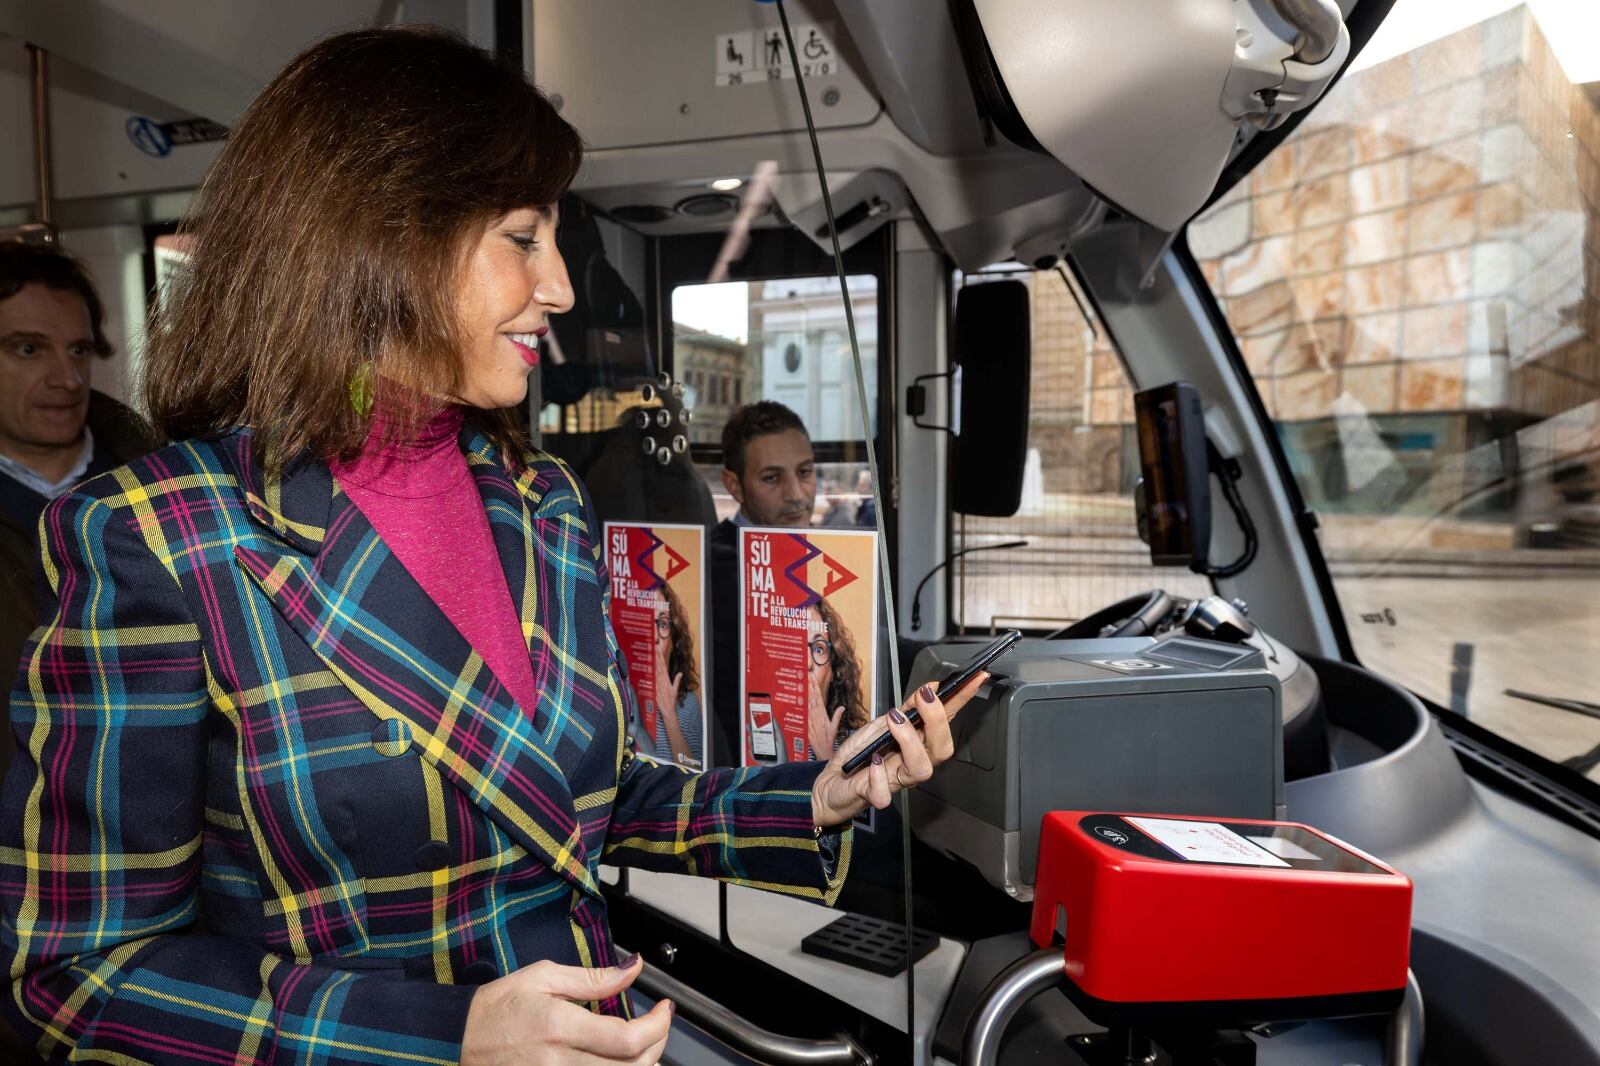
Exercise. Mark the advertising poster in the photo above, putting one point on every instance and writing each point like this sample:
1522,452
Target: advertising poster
658,613
809,618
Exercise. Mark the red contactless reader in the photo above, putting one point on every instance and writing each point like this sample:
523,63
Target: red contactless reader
1227,921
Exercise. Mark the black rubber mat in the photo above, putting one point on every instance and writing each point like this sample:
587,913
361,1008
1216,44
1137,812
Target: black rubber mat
870,944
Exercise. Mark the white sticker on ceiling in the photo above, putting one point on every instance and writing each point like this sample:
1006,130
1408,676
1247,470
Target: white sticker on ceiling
746,57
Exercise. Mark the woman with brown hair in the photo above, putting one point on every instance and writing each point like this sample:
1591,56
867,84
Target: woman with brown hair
322,733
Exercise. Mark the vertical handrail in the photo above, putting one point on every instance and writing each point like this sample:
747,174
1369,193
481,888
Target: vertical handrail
44,204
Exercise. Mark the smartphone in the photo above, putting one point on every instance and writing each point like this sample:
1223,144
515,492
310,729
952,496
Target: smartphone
763,731
949,687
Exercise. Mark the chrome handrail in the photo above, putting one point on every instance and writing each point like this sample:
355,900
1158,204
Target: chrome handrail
1000,1001
1033,974
759,1044
1318,21
1402,1045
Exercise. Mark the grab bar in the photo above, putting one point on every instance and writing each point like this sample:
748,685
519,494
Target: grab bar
1318,22
999,1003
757,1043
1032,974
1402,1045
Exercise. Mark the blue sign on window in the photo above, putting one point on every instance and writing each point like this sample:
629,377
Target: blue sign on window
148,136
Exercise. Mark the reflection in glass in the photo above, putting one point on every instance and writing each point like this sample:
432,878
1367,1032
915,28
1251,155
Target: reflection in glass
1077,508
783,339
1414,280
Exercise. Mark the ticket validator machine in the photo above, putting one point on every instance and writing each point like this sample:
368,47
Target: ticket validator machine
1174,932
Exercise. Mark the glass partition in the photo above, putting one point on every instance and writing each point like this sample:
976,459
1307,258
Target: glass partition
706,390
782,339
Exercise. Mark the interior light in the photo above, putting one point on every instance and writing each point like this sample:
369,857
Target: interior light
727,184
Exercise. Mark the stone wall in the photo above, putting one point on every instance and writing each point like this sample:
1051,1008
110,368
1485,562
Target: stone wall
1426,241
718,371
1076,429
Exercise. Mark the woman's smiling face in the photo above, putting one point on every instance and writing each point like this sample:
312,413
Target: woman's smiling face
512,280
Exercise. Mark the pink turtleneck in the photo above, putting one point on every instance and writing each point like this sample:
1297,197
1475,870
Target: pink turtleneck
423,501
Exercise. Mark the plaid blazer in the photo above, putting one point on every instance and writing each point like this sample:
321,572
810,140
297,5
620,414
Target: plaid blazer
269,806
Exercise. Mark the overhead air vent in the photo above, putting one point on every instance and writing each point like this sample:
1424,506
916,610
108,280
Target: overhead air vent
708,205
640,214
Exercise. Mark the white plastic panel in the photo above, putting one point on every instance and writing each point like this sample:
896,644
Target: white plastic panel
1124,92
641,72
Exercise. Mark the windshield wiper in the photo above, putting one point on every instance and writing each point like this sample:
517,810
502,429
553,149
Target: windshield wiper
1575,706
1581,763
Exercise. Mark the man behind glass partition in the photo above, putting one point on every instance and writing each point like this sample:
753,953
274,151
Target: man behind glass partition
768,466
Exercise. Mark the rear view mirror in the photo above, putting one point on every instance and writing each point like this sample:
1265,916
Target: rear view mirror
1174,495
993,350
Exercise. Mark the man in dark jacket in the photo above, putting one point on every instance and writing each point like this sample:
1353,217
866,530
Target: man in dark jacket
55,431
768,466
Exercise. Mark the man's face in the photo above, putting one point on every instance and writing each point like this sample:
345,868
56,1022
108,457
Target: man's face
46,347
779,485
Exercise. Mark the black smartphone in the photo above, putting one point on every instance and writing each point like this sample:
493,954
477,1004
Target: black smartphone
949,687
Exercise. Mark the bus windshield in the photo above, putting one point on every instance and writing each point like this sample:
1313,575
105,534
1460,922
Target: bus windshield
1413,277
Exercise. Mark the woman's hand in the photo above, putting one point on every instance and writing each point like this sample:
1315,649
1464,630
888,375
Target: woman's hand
535,1016
667,691
836,798
822,728
666,688
677,743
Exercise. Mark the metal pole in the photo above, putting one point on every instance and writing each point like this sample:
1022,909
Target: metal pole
43,197
1403,1041
1006,995
739,1034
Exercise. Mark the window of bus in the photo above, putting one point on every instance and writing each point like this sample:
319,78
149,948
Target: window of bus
783,339
1083,551
1414,280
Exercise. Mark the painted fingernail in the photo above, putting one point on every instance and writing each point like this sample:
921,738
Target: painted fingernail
896,717
877,759
627,961
672,1008
926,692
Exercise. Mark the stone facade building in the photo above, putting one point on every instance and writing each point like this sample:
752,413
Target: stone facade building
718,376
1418,267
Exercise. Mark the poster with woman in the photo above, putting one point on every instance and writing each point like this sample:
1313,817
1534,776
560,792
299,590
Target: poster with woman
809,615
658,613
